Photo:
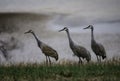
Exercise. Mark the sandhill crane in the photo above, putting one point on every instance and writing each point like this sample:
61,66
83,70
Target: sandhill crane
78,51
97,48
47,50
4,52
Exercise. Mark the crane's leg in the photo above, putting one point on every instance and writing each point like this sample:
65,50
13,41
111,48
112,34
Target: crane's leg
97,58
80,61
46,60
88,61
100,58
49,60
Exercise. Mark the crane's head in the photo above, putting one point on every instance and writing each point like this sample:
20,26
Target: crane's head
89,27
64,29
29,31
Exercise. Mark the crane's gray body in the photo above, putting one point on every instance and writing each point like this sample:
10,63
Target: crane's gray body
81,52
97,48
78,51
47,50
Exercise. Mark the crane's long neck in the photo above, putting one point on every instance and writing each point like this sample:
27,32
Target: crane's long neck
70,40
92,35
38,41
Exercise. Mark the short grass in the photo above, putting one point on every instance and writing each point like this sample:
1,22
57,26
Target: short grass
105,71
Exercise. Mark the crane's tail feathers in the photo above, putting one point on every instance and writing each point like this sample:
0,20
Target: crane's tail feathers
103,57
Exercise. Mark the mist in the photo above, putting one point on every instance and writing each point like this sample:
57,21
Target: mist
13,25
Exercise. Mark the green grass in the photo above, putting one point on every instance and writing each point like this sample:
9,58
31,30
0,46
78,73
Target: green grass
106,71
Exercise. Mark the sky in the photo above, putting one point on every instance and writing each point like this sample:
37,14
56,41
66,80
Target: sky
69,12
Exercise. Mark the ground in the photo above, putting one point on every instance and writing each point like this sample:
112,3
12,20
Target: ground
71,71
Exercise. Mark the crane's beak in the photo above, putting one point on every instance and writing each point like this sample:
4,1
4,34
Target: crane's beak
26,32
62,30
86,27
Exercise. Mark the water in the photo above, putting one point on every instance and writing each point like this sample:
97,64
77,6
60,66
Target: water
46,29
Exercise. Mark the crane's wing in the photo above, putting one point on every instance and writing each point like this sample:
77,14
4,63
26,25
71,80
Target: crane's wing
49,51
102,49
98,49
81,51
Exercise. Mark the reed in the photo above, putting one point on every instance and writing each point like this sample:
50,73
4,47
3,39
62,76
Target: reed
68,71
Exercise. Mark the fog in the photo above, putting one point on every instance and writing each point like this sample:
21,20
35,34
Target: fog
46,17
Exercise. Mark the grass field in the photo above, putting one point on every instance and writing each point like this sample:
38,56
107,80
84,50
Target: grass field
105,71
